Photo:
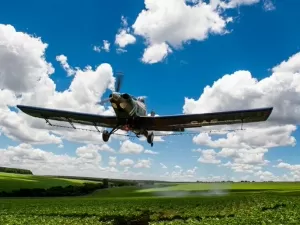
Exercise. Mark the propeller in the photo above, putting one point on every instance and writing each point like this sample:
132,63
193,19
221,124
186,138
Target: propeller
119,81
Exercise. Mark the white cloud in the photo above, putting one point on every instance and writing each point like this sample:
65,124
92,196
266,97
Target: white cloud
187,175
240,90
237,3
156,53
208,156
151,152
241,167
95,148
143,163
25,80
265,176
163,166
120,50
87,162
294,169
251,137
245,156
268,5
97,48
112,161
21,60
42,162
161,24
106,46
126,162
63,60
129,147
123,37
89,153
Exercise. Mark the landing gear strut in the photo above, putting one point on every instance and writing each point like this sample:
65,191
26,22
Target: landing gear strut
150,138
106,134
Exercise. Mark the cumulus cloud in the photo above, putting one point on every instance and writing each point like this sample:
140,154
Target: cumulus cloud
25,79
187,175
123,37
241,90
62,59
143,163
112,161
129,147
160,23
126,162
105,47
42,162
156,53
151,152
208,156
22,61
86,162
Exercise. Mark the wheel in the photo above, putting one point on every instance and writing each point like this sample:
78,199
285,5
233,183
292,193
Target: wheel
150,138
105,136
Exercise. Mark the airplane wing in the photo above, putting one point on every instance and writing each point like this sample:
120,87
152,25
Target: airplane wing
71,117
179,122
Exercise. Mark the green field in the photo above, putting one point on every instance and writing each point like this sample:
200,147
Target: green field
247,203
277,186
10,181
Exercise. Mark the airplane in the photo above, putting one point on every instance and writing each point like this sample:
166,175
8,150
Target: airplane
131,115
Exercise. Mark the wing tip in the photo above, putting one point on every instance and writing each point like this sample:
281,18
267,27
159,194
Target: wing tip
269,112
21,107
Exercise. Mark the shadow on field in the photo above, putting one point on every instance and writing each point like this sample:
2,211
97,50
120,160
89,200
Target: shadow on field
147,216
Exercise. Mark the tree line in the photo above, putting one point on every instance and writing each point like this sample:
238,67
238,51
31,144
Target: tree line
70,190
15,170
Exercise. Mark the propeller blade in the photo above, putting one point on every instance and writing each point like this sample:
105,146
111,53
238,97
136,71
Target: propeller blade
119,81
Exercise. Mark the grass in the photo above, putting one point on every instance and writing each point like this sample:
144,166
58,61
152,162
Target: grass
10,181
246,203
236,209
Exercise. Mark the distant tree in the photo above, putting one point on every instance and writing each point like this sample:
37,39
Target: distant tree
105,183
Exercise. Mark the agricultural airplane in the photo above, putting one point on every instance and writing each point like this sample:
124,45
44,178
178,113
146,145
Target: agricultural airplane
131,115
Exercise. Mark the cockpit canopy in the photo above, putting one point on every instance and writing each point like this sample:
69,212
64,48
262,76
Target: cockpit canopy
141,99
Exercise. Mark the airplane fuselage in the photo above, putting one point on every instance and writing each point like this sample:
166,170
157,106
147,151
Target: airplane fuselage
127,107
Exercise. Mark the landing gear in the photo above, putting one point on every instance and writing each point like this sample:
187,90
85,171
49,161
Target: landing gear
150,138
106,134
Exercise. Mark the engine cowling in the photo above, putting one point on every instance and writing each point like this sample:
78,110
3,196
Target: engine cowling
125,96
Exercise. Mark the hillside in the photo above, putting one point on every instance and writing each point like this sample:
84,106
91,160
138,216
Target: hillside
10,181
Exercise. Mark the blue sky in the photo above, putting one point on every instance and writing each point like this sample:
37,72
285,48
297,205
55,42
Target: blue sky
260,36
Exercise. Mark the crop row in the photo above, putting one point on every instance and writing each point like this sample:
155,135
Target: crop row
234,209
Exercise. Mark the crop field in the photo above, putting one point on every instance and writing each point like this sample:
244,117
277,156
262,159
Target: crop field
10,181
131,205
